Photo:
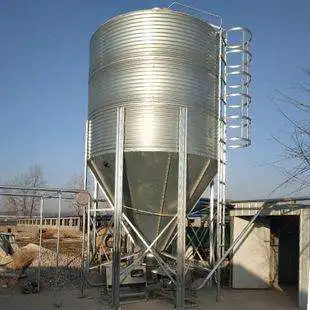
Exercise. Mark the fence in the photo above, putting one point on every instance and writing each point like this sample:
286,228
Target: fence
64,222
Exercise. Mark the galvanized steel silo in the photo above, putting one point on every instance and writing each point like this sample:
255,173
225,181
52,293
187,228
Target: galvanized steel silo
152,62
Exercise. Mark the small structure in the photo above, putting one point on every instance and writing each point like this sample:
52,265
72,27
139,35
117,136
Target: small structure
275,251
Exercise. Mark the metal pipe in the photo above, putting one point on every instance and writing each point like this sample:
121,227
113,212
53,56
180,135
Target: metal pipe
88,262
197,10
100,210
200,240
211,225
33,195
195,247
88,231
40,242
40,189
223,224
58,231
83,267
182,193
218,248
191,241
279,199
194,264
85,260
95,206
57,300
234,244
271,200
308,291
118,194
171,240
85,156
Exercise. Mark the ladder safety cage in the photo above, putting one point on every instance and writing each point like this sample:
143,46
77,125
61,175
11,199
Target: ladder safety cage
238,79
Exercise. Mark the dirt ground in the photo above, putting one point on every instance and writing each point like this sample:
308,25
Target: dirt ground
70,239
69,260
70,299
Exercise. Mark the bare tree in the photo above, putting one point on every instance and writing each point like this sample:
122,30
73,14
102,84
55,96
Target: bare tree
25,205
296,163
77,182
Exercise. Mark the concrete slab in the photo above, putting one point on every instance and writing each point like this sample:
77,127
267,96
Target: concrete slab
232,300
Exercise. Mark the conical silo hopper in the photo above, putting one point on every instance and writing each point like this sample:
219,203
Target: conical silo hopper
152,62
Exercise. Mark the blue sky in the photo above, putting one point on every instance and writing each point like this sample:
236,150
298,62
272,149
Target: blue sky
43,78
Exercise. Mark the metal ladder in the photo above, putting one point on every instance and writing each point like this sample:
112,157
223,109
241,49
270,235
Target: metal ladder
222,157
233,117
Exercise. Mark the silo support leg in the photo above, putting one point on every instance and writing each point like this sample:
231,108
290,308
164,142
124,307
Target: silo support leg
211,220
182,192
118,194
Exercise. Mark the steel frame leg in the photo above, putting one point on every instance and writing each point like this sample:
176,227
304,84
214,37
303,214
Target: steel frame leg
95,207
218,246
83,258
85,174
211,223
118,204
182,193
211,230
85,183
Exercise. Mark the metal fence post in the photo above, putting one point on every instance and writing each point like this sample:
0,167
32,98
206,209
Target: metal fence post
40,242
58,302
